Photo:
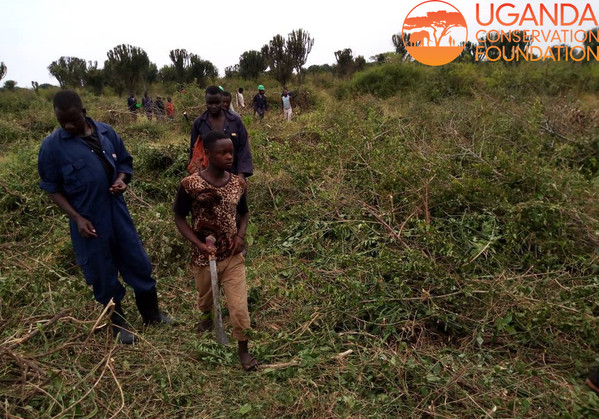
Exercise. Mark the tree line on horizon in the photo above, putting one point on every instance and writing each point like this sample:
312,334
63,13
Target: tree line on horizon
128,68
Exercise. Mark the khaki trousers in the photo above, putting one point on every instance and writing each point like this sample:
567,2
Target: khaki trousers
231,276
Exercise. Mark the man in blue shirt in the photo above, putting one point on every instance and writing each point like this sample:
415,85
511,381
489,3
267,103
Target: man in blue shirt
85,168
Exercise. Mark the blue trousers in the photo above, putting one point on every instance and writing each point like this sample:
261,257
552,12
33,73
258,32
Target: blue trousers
117,249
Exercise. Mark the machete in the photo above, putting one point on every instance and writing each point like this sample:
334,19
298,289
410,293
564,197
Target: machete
221,336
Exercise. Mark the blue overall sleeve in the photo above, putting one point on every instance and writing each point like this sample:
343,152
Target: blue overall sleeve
51,179
243,161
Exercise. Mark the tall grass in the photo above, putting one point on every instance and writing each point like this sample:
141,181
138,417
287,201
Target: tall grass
439,223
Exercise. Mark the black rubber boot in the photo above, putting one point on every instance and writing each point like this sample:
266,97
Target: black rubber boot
147,304
120,327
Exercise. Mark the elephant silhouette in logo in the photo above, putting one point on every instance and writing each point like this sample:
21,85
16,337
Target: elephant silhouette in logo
417,38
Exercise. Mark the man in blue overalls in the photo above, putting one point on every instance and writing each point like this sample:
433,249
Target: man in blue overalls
85,168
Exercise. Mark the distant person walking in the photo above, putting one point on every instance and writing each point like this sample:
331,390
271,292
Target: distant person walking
132,105
260,102
159,108
227,105
169,106
240,99
286,109
147,104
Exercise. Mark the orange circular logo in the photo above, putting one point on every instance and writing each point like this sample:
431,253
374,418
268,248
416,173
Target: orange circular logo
435,32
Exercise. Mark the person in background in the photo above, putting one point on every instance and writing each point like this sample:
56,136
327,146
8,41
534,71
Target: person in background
218,119
260,103
227,103
286,110
132,105
240,99
169,106
146,103
159,108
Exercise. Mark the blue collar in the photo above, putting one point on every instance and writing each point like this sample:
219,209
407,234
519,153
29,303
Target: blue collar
228,115
99,128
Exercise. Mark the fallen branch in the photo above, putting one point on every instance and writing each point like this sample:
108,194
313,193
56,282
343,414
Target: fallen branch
297,363
37,330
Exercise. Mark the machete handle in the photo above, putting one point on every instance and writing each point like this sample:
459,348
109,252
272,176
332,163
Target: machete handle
211,241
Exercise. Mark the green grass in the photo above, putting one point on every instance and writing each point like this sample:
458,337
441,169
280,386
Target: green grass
447,235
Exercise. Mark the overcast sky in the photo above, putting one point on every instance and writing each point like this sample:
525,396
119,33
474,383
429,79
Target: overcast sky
33,33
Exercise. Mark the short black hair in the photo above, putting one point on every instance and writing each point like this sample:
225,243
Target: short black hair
240,90
67,99
226,94
212,137
213,90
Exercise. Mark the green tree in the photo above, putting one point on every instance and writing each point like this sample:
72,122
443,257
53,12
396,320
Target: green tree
167,73
232,71
278,59
69,71
468,54
345,62
152,74
10,84
126,67
400,40
181,60
251,64
200,70
299,45
3,70
94,78
315,69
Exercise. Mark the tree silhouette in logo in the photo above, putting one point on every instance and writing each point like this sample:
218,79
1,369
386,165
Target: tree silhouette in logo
440,20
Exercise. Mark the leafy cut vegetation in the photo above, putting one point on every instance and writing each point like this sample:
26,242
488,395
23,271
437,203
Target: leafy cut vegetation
423,242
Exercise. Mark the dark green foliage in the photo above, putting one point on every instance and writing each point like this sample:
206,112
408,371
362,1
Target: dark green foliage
127,66
180,59
441,223
278,58
386,80
69,71
251,64
10,84
469,54
299,45
347,64
188,68
200,71
232,71
94,78
323,68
